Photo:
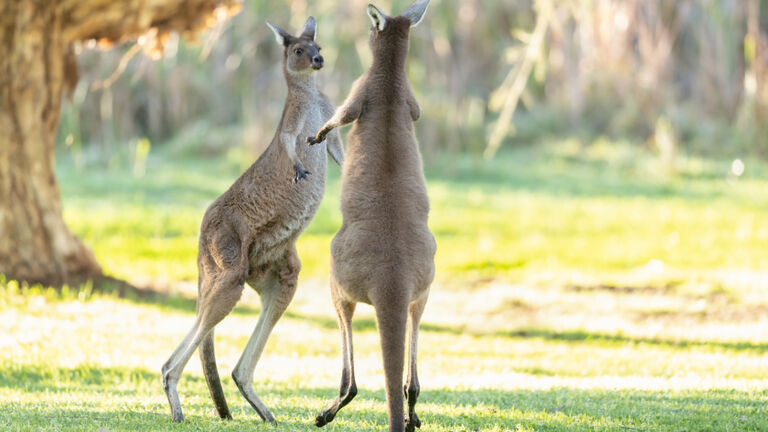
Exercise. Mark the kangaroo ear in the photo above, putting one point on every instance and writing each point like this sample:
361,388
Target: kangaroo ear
378,18
415,12
310,28
281,35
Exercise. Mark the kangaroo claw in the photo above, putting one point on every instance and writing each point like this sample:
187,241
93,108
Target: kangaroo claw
300,173
316,139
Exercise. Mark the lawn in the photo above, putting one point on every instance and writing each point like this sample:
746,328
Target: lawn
578,288
564,208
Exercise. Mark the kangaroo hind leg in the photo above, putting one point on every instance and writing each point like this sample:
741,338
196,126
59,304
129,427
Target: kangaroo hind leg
219,290
348,388
211,311
276,289
173,367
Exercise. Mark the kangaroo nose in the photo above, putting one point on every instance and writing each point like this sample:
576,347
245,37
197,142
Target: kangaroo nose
317,60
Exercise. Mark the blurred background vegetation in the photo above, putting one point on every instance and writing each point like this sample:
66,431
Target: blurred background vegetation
555,134
673,76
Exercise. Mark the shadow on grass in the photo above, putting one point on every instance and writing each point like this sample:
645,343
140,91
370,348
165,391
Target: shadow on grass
124,289
450,409
570,336
42,377
176,302
581,336
186,304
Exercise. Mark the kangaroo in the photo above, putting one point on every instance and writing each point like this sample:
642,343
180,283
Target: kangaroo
383,254
248,234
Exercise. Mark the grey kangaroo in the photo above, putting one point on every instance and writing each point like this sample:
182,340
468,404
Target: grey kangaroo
248,234
384,252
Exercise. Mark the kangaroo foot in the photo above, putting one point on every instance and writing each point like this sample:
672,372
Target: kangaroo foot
324,418
348,392
412,422
253,399
300,173
173,400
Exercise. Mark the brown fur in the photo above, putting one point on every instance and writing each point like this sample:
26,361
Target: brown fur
384,252
248,234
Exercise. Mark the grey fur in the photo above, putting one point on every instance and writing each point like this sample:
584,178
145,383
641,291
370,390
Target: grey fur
248,234
384,252
310,29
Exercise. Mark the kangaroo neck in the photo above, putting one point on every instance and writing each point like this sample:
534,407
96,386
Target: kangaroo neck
301,83
389,57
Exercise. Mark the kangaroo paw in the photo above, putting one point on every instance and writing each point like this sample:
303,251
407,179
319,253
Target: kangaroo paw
300,173
320,137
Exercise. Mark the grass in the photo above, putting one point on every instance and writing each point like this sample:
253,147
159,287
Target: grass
579,288
91,362
604,208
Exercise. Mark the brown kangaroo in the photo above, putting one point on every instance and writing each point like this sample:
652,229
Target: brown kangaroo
384,252
248,234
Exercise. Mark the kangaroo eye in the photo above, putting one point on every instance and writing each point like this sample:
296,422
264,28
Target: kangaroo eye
297,51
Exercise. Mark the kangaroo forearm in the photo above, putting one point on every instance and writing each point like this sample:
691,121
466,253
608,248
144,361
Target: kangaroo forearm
288,141
413,105
415,110
345,114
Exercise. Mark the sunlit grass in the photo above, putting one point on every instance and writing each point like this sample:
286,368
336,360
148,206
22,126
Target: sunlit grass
69,363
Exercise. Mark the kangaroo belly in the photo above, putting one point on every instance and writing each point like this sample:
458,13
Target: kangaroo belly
269,239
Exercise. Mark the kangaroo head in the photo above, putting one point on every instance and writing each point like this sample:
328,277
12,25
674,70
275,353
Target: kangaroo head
386,28
302,53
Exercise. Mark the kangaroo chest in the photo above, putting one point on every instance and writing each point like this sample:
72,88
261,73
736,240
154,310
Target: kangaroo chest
285,209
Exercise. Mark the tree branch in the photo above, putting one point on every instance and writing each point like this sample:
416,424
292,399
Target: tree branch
117,21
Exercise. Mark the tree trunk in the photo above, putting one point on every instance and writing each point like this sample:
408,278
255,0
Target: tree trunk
35,244
36,66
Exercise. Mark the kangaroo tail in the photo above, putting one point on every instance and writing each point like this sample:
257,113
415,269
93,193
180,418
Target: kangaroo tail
392,325
208,358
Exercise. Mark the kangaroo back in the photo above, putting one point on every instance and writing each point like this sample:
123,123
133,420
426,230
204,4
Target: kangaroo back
384,252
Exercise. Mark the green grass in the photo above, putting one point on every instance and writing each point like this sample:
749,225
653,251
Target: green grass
578,289
606,208
91,362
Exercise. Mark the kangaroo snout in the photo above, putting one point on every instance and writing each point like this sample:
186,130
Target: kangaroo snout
317,62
